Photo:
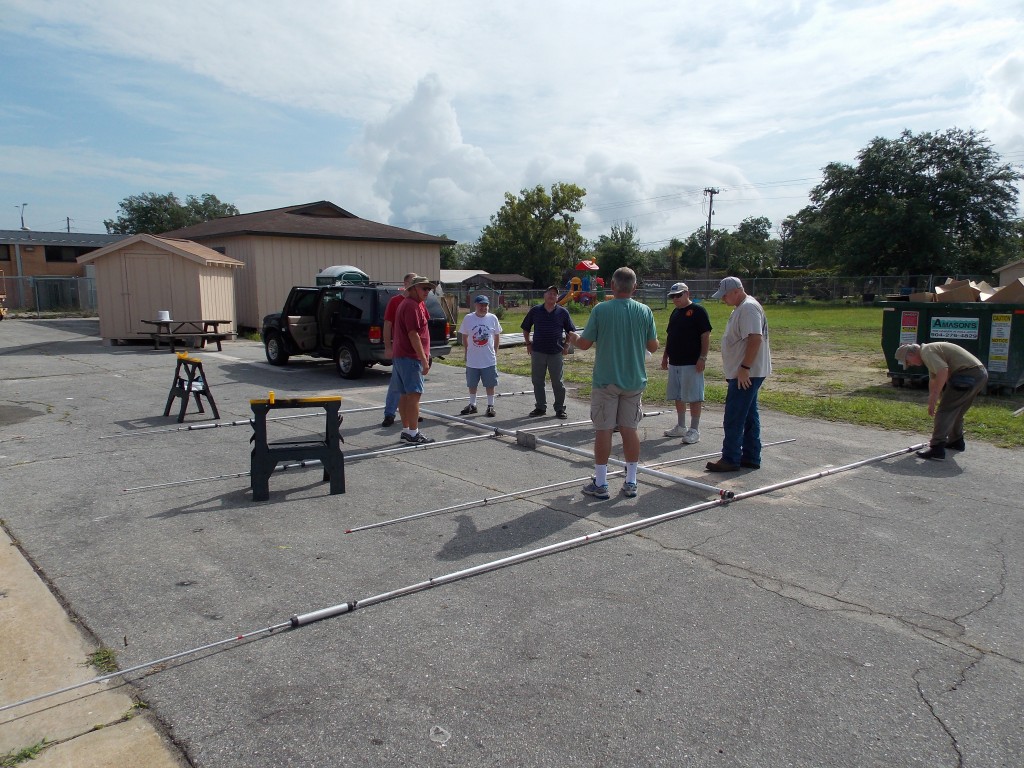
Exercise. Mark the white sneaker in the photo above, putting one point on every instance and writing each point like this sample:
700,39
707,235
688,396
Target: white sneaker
677,431
692,436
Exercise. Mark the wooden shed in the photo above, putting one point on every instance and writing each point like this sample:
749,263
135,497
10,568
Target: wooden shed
290,246
143,275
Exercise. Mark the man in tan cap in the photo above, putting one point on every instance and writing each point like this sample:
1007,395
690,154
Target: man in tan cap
411,357
955,377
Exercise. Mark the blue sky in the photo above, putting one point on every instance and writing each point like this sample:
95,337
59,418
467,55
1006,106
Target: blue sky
424,115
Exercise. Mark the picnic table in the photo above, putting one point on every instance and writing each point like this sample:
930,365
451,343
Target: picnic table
196,332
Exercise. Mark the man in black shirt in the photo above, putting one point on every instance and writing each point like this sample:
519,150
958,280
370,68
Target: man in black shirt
549,324
686,352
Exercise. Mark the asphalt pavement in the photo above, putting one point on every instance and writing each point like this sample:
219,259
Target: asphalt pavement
871,616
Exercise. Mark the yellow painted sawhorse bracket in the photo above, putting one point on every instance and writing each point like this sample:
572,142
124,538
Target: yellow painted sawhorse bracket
189,380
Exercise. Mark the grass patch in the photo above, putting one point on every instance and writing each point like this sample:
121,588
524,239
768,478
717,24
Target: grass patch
829,365
16,757
104,659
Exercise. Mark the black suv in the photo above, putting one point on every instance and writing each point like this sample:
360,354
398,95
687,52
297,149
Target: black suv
345,323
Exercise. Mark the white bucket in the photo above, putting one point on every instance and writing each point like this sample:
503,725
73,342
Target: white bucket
163,315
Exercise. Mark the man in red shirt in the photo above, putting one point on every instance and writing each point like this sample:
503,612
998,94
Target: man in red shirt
410,359
391,401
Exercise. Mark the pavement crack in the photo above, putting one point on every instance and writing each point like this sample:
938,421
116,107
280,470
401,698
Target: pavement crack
954,744
820,601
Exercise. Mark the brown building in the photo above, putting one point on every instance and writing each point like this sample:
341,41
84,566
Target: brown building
24,253
288,246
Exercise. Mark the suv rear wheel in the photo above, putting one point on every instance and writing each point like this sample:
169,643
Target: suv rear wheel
347,360
275,349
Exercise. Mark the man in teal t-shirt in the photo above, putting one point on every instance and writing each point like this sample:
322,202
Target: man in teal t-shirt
623,331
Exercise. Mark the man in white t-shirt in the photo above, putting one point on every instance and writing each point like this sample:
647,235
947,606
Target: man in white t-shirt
746,362
480,333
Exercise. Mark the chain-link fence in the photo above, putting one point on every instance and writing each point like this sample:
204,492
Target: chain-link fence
781,289
49,294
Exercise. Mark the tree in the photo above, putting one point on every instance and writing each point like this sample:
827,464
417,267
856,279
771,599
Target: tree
751,252
619,249
534,234
931,202
153,213
458,256
675,253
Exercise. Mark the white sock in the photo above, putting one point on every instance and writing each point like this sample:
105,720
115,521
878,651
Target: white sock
631,471
600,474
490,399
472,399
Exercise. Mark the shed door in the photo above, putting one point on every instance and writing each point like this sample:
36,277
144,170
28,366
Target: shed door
147,279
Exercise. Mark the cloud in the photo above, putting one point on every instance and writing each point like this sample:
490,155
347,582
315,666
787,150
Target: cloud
420,163
425,115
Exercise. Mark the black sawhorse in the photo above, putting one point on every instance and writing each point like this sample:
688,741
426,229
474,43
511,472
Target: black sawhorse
189,380
266,456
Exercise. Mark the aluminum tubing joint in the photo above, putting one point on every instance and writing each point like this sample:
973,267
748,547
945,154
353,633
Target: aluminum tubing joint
308,618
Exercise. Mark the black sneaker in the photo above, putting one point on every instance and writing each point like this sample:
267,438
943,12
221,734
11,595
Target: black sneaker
389,419
561,414
934,452
957,445
421,439
467,410
490,410
538,411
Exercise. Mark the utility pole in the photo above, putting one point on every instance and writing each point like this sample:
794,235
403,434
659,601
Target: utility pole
710,192
69,222
22,215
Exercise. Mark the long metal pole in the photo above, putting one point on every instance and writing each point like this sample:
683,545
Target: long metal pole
246,422
590,455
352,457
299,620
530,491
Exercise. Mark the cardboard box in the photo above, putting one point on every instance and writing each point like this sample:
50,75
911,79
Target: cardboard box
962,290
985,290
1011,293
923,296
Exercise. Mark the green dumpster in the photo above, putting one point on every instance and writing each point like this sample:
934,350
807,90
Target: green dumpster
994,333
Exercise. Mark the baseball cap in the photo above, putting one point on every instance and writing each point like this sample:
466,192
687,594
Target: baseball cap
677,289
481,299
904,350
551,288
727,284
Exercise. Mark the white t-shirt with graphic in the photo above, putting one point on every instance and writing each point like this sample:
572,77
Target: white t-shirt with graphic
480,333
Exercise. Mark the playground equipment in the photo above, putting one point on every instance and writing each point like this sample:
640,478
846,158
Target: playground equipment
584,288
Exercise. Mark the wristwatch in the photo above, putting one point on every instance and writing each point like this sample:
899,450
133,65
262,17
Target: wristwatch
744,367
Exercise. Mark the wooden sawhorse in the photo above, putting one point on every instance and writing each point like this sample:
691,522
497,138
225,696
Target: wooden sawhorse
266,456
189,380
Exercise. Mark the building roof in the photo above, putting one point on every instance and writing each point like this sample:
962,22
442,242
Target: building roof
1016,263
513,278
76,239
322,220
459,275
184,248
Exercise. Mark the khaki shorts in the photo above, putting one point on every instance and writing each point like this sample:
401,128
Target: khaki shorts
612,407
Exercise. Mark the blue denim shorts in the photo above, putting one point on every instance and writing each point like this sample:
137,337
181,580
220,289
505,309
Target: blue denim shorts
488,375
409,375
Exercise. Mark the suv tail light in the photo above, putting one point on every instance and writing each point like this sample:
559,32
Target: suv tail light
376,334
